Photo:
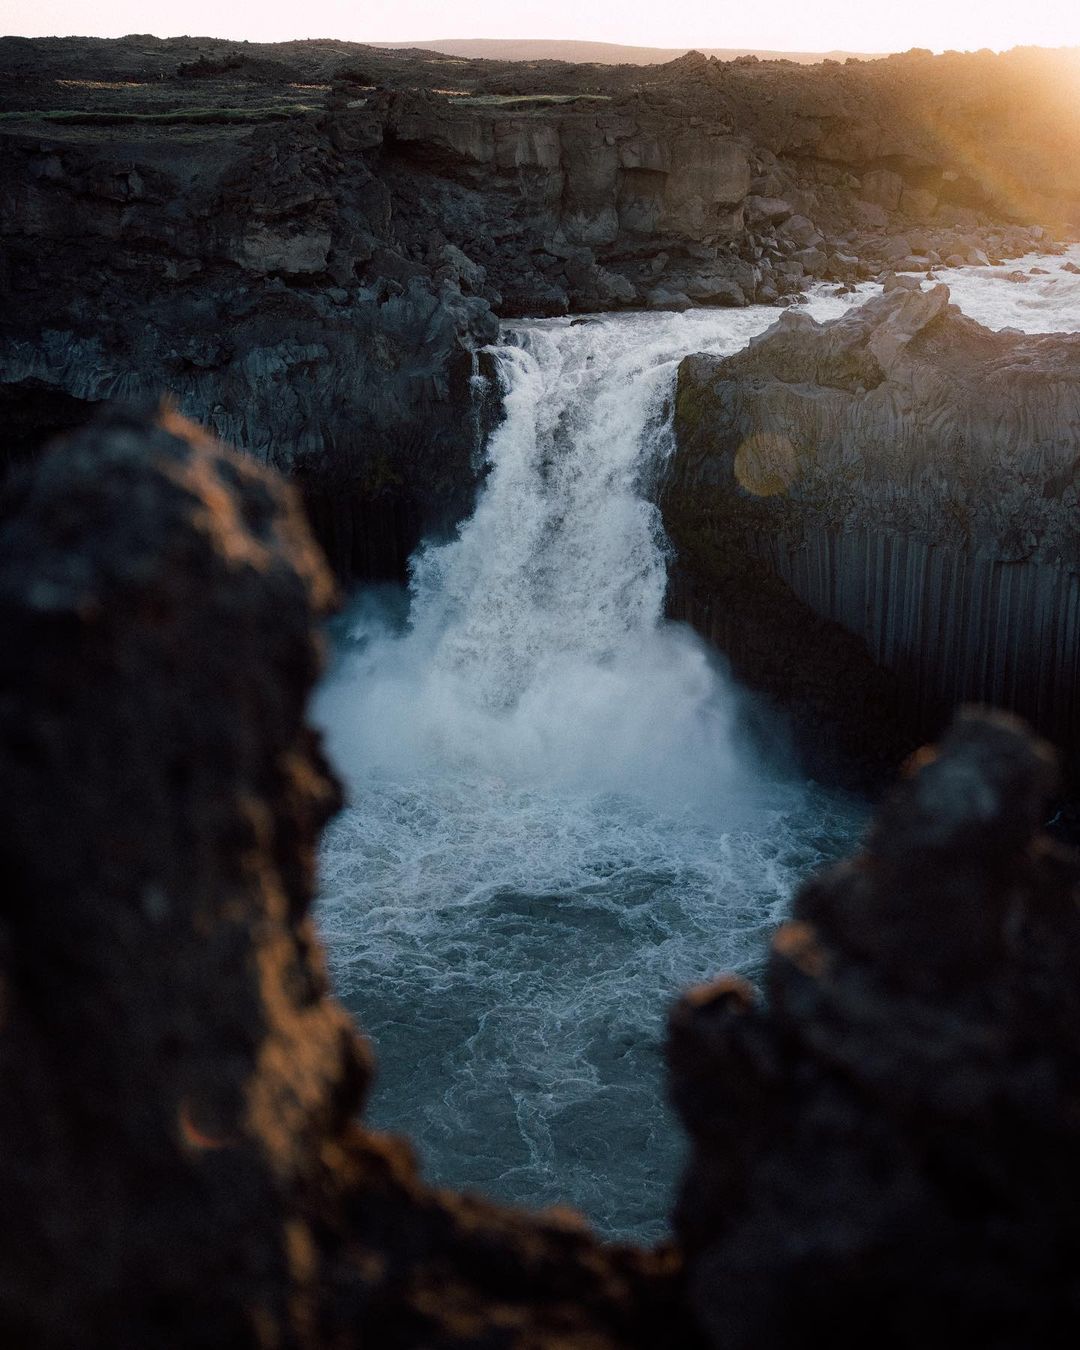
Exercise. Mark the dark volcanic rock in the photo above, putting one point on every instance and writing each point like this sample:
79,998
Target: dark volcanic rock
179,1160
886,1150
234,272
885,1154
902,473
305,245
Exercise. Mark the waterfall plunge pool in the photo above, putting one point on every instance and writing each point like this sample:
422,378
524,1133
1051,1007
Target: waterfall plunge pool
555,823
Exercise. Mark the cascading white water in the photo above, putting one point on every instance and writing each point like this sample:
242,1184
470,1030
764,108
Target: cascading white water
1048,302
536,647
554,824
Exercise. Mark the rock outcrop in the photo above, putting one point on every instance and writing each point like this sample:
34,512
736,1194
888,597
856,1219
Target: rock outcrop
906,478
885,1148
306,246
180,1161
233,271
886,1153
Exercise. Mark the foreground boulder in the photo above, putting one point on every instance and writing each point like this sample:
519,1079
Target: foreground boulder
179,1159
887,1149
904,481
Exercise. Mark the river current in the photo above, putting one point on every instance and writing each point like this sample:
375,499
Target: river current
557,816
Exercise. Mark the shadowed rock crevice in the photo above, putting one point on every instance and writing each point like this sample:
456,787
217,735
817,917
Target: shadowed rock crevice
34,414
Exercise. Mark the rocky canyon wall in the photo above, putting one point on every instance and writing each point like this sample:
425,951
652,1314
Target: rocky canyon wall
907,476
222,271
305,246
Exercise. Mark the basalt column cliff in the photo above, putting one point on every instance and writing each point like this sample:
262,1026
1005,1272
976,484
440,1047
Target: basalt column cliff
877,516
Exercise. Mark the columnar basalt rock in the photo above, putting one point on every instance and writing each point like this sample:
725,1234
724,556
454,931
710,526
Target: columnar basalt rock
908,476
885,1148
239,273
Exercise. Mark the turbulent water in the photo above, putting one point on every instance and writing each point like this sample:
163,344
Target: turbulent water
1047,303
557,821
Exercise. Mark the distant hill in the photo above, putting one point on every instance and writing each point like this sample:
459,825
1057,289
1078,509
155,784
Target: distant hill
602,53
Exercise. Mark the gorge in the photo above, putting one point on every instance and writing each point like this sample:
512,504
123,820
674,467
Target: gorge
686,443
309,245
558,813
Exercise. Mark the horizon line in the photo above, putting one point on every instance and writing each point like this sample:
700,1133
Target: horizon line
424,44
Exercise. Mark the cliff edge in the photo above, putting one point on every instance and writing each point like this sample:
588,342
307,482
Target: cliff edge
893,495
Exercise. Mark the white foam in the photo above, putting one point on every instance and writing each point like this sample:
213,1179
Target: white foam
1044,304
553,826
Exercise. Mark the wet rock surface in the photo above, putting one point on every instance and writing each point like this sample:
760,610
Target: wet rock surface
903,479
180,1160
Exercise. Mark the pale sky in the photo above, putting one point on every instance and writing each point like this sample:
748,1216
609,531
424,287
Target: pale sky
784,25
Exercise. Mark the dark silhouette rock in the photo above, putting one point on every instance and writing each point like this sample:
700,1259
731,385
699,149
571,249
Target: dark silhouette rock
885,1148
180,1161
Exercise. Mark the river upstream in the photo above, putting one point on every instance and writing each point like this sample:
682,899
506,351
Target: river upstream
557,817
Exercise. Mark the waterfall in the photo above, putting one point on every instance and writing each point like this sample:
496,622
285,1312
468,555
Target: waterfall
555,822
537,645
